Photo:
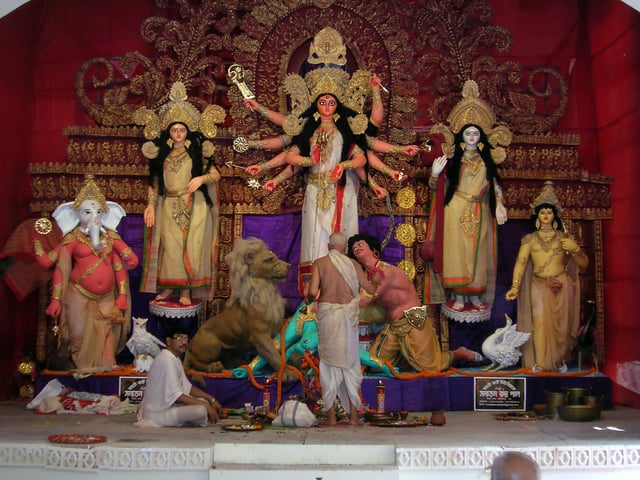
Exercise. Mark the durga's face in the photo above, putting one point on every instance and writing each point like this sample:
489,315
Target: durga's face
326,105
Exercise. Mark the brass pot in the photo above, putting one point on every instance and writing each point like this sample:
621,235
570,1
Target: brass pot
378,417
596,402
541,409
554,400
575,395
577,413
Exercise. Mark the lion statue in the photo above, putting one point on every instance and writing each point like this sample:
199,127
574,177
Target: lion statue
253,314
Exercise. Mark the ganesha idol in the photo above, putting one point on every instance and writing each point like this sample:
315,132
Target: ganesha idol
90,285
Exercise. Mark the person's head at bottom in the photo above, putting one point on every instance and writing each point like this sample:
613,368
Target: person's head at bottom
514,466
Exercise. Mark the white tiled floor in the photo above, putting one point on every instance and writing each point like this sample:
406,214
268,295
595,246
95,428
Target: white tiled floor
463,448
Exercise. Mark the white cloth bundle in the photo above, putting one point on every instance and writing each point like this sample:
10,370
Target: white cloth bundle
293,413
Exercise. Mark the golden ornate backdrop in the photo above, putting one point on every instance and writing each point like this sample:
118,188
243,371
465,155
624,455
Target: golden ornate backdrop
423,55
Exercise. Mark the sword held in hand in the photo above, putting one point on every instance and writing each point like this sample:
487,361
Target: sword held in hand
235,73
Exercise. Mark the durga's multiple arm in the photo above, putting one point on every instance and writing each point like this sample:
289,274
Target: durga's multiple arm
286,173
293,158
275,117
377,111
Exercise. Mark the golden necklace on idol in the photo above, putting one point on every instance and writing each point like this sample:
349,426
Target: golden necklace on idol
325,134
472,160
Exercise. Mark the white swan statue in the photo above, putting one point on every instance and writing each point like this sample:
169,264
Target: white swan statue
501,347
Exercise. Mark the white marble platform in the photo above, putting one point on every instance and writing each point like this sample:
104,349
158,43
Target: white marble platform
463,449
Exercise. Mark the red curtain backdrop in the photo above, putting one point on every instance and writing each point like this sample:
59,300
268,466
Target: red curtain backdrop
594,44
42,44
614,39
17,322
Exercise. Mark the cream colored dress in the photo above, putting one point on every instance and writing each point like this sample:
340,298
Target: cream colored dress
469,242
184,238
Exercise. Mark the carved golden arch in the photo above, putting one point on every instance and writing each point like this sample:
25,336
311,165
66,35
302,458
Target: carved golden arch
275,44
278,53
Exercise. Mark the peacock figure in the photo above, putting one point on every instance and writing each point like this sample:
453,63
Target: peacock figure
502,346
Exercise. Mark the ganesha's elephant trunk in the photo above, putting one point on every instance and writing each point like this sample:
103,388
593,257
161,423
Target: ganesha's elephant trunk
94,228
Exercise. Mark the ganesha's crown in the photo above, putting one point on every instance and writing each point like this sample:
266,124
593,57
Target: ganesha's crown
90,191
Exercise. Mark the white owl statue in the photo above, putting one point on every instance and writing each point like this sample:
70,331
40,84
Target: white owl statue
143,345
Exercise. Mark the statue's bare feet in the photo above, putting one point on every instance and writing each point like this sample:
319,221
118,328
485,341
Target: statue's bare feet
457,306
214,367
458,303
538,369
185,297
477,303
166,293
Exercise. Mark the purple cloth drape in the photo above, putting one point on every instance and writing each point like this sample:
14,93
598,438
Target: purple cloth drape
282,234
451,393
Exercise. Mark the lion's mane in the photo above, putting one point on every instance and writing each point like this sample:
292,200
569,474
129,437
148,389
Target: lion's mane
247,287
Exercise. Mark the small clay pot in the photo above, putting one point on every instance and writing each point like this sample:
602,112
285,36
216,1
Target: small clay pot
438,419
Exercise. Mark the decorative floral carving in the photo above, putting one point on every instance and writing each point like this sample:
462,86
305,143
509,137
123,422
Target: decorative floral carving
455,45
188,51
